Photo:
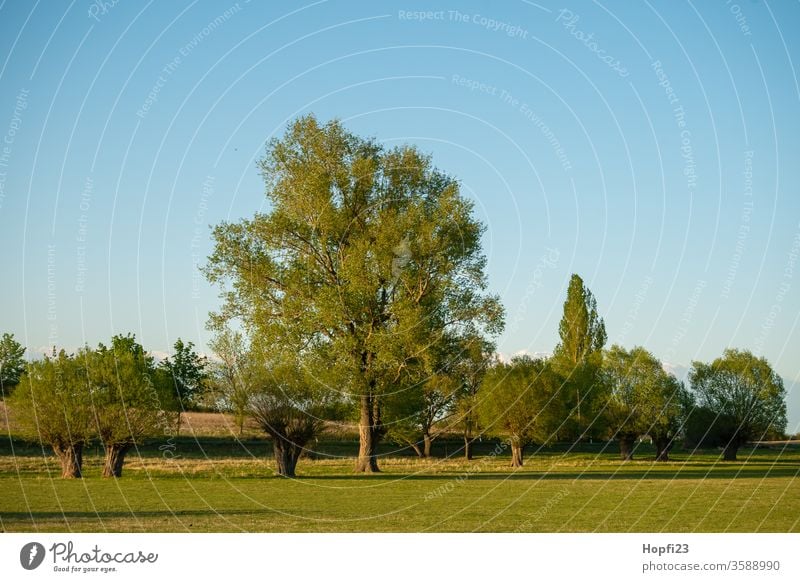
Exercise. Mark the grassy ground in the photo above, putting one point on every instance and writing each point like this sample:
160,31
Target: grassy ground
219,484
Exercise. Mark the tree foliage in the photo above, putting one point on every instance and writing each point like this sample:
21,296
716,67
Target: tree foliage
476,357
581,330
578,357
125,401
12,363
643,399
745,396
366,258
520,401
290,404
424,409
232,378
66,401
188,371
53,404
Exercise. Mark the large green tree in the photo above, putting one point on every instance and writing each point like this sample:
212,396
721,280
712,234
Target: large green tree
578,357
643,399
126,404
12,363
366,257
745,396
53,404
519,401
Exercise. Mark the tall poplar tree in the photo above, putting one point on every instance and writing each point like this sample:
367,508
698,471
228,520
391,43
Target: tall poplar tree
578,357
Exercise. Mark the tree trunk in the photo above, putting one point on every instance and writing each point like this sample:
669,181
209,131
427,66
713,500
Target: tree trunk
115,458
427,441
417,450
71,458
626,443
516,454
663,444
368,435
467,448
286,456
729,452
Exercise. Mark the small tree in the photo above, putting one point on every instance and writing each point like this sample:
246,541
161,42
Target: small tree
126,405
667,424
188,372
578,357
520,400
424,407
477,356
53,404
290,405
643,399
744,393
232,377
12,363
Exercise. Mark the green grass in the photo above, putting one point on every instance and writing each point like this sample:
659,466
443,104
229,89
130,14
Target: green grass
220,485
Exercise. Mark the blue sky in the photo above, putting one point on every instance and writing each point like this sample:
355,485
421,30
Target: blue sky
650,147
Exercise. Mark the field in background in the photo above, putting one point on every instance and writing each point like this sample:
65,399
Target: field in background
207,479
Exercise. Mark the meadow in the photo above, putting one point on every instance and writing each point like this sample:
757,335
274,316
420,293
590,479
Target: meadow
205,480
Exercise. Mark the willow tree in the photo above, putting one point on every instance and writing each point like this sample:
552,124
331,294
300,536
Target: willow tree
519,401
643,399
290,403
578,357
127,407
367,255
745,395
53,404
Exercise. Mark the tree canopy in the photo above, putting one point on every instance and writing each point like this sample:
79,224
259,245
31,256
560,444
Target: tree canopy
366,258
53,404
578,357
520,400
745,395
642,399
66,401
127,407
12,362
188,371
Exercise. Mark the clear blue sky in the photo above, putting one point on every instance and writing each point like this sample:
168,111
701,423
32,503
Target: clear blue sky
650,147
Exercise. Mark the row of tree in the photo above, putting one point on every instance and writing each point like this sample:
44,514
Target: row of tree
116,394
120,396
366,273
361,295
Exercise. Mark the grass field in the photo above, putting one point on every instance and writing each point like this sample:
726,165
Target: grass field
218,484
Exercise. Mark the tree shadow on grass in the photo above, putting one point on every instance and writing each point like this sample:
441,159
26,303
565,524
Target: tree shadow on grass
736,471
22,516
